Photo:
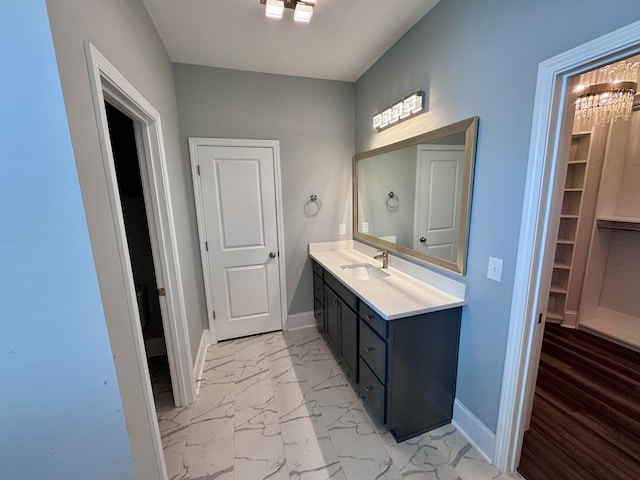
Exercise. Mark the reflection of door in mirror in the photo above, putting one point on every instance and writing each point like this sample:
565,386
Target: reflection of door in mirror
439,193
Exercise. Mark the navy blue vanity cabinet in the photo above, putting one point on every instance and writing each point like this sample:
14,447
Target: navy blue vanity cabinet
340,321
332,316
408,369
318,296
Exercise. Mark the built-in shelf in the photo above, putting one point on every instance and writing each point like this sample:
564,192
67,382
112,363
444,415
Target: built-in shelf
557,288
619,223
615,325
555,315
570,229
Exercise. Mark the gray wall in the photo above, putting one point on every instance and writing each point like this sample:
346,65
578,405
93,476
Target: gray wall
314,122
124,33
60,409
481,58
377,176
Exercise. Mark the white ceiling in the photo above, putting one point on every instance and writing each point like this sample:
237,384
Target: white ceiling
344,38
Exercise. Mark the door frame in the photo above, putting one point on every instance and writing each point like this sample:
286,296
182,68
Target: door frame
274,145
108,84
542,192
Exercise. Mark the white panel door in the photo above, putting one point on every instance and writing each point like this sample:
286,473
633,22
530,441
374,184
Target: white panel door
439,190
239,220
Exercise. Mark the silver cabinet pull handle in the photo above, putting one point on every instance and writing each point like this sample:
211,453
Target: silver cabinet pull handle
368,349
368,388
273,254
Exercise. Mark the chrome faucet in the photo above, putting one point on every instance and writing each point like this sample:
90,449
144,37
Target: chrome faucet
384,256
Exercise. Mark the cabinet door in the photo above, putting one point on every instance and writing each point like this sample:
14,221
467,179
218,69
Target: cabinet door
318,313
331,318
318,288
349,340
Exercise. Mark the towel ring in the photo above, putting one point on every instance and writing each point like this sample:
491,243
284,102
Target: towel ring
393,202
313,206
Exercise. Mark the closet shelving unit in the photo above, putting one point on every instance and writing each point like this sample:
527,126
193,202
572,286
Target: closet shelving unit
583,171
610,303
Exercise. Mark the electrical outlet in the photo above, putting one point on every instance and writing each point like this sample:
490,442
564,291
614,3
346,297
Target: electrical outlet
494,271
365,227
342,229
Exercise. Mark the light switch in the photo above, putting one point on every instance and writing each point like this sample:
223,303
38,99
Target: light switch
494,272
342,229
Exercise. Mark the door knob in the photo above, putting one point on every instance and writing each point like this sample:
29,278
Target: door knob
423,239
273,254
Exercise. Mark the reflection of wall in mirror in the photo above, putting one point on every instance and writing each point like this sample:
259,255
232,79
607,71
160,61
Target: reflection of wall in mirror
377,176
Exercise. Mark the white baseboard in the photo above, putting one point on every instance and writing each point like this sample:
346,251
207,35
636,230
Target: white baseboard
482,439
301,320
205,341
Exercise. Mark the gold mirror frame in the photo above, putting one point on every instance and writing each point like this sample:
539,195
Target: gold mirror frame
470,128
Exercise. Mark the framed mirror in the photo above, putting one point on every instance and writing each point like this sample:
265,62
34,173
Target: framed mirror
414,197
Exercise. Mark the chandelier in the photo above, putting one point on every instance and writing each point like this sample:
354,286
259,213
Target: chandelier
606,94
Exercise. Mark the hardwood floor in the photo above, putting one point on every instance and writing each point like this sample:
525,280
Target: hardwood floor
586,413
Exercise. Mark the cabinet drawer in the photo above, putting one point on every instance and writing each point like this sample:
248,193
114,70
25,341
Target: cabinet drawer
373,350
374,320
318,313
317,269
318,288
372,392
343,292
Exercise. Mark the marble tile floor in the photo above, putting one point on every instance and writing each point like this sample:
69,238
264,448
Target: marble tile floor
277,406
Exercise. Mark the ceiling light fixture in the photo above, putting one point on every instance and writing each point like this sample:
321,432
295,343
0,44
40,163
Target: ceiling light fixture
399,111
606,94
274,8
303,9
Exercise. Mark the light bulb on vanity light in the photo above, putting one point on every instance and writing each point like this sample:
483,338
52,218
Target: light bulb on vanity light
303,12
274,9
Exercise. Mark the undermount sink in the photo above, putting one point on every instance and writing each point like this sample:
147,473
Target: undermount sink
364,271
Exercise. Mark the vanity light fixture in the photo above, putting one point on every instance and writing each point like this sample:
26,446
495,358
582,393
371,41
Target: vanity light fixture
303,9
274,8
606,94
303,12
399,111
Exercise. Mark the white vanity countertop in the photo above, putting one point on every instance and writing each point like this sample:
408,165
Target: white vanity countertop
400,294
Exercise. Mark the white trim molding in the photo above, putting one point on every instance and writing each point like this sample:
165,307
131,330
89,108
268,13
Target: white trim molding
539,199
297,321
201,357
137,397
478,434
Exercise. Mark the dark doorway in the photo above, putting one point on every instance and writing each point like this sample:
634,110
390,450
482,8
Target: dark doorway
127,166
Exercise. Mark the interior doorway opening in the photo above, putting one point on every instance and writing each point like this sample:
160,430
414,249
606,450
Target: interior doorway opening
542,198
594,227
135,214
